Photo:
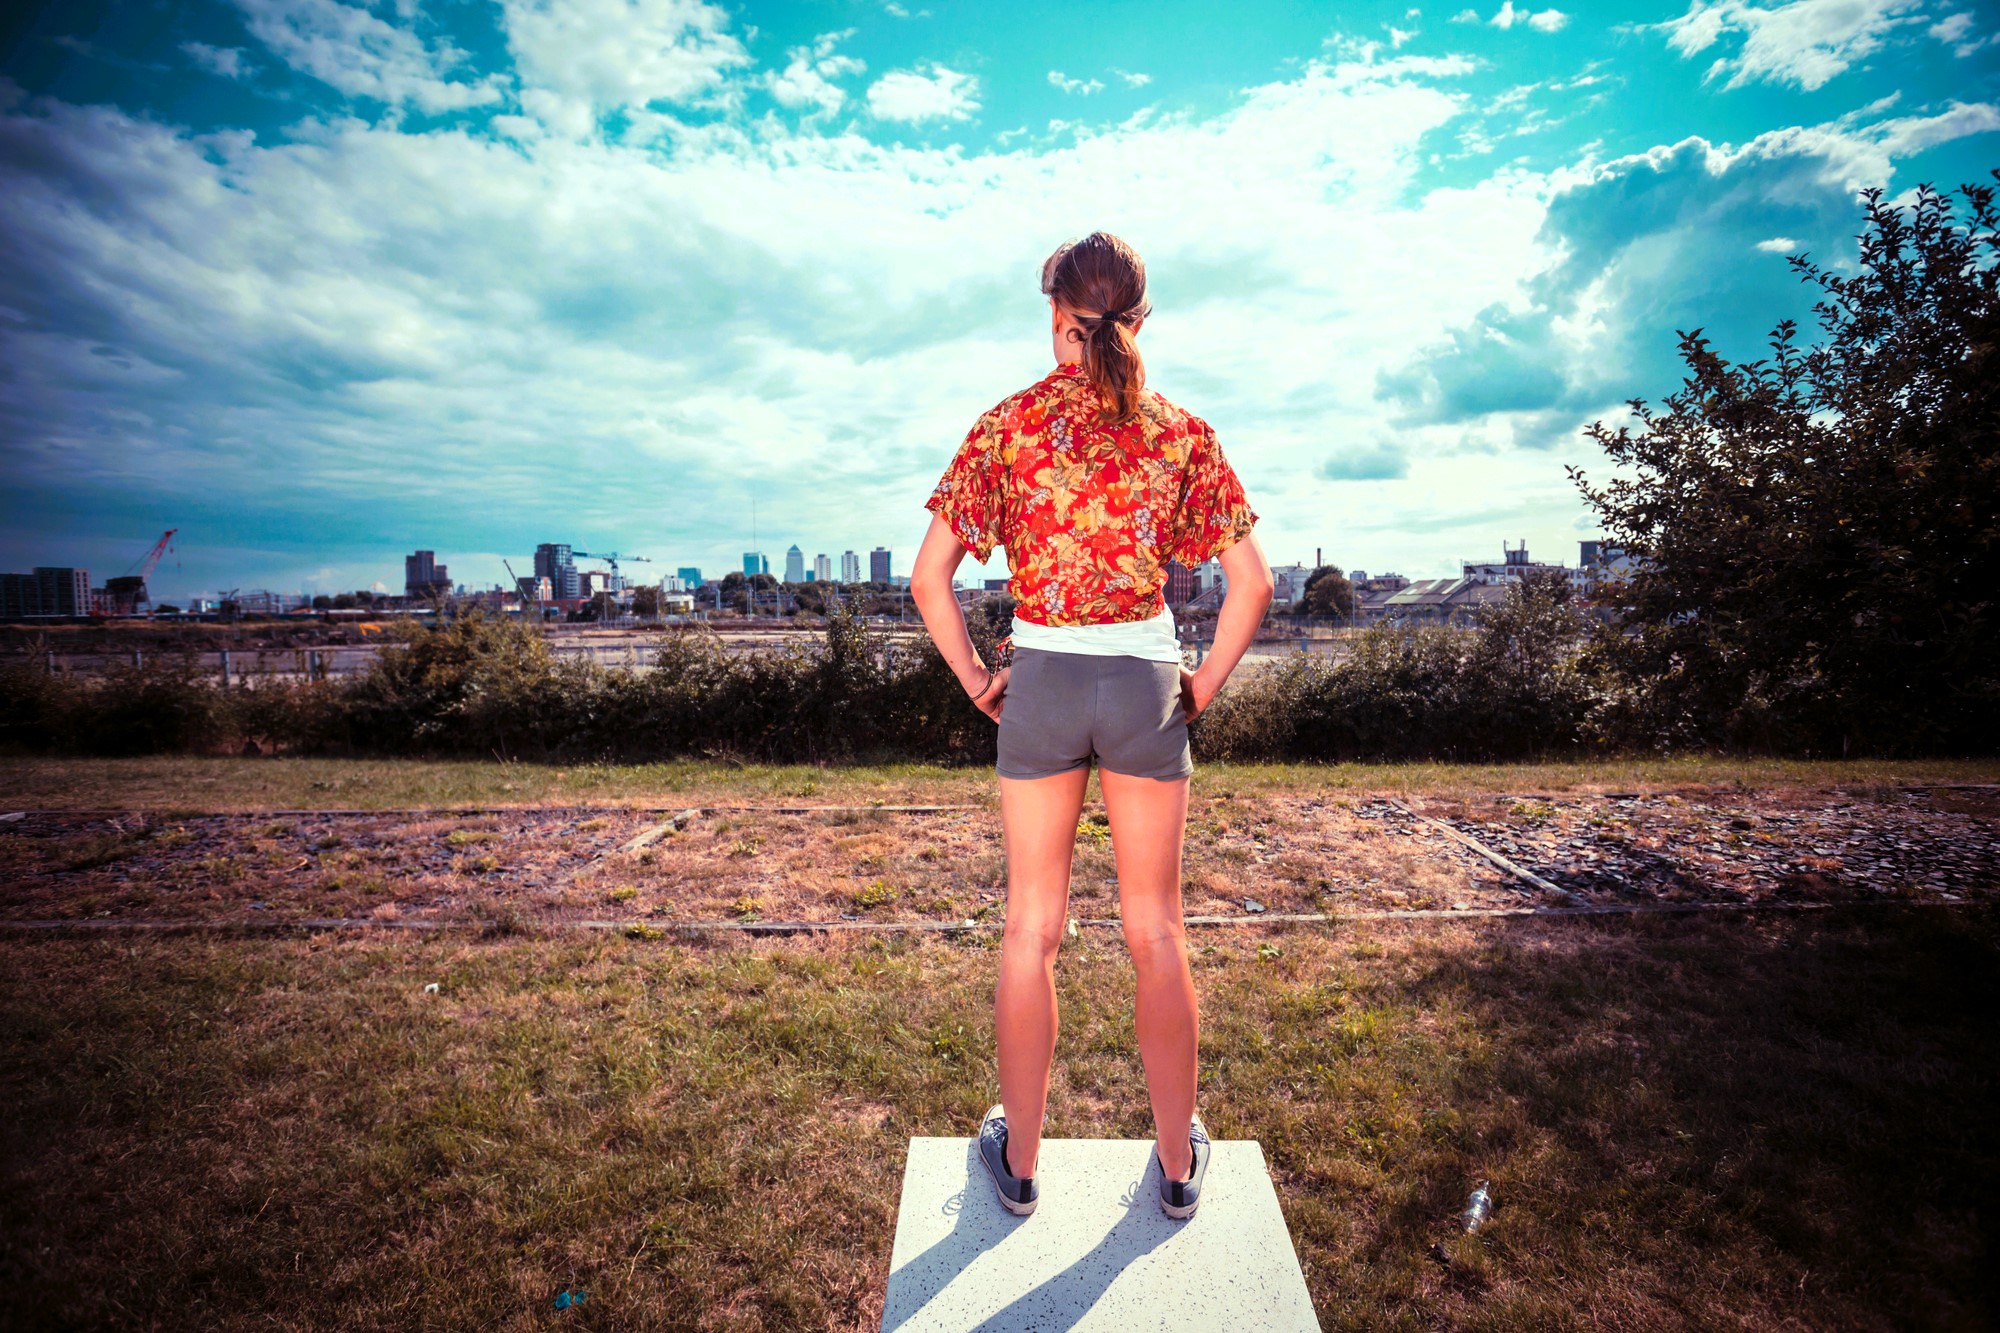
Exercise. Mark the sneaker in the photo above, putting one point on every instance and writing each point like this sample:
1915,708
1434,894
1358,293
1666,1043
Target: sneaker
1018,1194
1179,1198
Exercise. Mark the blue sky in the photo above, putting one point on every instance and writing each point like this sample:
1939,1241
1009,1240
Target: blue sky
319,283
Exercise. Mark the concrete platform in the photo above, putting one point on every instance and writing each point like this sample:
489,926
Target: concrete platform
1097,1252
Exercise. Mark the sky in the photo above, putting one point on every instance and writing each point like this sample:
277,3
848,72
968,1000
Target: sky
321,283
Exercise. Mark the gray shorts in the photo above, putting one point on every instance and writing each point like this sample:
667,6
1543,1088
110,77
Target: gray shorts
1059,707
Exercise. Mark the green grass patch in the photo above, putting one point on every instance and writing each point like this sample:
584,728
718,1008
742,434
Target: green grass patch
1721,1122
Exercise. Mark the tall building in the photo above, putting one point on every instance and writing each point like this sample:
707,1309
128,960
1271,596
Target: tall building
755,562
690,576
822,568
423,576
52,590
795,564
554,562
878,565
1180,587
850,567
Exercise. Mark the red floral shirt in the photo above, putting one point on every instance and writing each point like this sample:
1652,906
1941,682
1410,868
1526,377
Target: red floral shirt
1090,515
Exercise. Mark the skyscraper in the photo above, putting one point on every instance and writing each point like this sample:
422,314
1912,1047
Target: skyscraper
553,562
755,562
423,576
795,564
850,567
690,576
822,567
878,565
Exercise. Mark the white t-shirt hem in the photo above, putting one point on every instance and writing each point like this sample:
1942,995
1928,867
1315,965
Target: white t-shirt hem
1151,638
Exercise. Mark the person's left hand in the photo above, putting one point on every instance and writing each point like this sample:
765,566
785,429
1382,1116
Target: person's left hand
1197,691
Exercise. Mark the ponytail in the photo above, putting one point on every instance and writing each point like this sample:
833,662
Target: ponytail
1101,283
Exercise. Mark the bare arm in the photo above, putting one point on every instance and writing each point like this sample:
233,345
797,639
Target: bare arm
1243,609
930,588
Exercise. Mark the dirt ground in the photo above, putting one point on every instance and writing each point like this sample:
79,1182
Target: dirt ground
1245,855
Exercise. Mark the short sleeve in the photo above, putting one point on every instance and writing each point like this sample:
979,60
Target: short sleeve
1214,513
971,496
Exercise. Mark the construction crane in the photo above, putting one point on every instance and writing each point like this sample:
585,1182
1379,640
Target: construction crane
522,589
612,559
127,592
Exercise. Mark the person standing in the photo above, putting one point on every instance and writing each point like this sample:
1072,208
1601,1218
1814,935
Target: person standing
1092,482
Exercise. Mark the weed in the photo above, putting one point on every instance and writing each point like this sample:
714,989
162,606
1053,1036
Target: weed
880,893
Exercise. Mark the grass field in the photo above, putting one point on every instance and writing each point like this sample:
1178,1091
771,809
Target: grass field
210,784
1734,1121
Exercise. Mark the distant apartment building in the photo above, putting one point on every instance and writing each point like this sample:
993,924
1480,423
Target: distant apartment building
822,570
1508,570
850,567
755,562
1288,582
534,590
795,564
1599,564
51,590
689,575
554,562
1180,587
423,576
878,565
594,581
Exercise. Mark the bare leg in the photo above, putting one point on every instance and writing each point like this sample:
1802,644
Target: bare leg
1038,817
1148,823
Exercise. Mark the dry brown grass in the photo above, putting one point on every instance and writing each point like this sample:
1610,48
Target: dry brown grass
1744,1123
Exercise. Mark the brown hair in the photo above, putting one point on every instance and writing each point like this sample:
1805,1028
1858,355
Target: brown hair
1100,282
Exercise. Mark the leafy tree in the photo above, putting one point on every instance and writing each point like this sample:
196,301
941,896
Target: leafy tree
646,601
1327,593
1815,531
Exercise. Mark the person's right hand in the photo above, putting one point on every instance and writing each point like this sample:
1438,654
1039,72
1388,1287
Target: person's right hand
995,697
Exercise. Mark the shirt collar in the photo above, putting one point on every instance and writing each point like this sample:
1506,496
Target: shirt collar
1069,368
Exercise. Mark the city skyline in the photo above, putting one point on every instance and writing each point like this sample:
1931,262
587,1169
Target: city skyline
318,284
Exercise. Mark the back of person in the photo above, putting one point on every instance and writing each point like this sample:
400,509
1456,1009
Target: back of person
1091,509
1093,483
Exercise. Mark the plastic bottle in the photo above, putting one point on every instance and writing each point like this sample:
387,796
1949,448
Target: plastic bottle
1479,1208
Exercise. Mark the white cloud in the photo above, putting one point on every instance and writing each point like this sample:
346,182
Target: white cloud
1545,20
1397,36
1954,30
1133,80
1069,85
226,61
808,77
348,48
1466,16
608,54
1804,43
796,312
1778,245
910,95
